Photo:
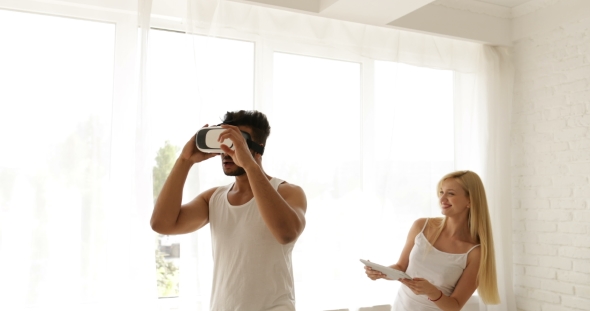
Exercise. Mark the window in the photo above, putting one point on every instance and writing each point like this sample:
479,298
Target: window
318,124
316,144
415,130
192,81
56,95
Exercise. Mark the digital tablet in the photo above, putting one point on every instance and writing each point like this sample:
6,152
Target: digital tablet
390,272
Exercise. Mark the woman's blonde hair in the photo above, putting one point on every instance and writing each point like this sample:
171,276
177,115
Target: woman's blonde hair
480,229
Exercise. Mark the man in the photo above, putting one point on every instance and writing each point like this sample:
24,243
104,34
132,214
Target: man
255,221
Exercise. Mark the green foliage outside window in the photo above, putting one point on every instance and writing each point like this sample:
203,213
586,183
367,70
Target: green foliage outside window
167,276
167,273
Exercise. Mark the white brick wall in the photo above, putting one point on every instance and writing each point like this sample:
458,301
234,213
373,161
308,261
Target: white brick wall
551,168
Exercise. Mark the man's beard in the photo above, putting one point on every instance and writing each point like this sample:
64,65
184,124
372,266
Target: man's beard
239,171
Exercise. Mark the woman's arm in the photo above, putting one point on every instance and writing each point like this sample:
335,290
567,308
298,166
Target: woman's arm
466,285
404,258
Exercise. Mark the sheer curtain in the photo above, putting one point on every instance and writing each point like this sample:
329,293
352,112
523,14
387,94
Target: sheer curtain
76,191
360,201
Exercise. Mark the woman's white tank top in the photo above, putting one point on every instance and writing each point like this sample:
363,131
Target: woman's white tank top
441,269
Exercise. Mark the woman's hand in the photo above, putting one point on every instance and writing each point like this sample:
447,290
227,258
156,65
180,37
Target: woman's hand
420,286
374,274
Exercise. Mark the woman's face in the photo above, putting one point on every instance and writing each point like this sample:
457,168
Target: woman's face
453,198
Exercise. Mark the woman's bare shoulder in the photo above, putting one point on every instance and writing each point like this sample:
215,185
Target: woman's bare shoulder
419,224
474,255
436,221
433,224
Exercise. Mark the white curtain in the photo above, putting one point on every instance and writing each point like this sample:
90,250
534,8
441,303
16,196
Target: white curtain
79,222
482,106
482,132
75,189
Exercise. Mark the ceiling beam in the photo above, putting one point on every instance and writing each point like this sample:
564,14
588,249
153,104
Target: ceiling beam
370,12
463,23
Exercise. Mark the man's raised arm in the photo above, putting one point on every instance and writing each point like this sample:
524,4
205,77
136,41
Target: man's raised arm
169,215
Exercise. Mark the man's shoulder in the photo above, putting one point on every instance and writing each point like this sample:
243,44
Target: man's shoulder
285,185
292,193
209,193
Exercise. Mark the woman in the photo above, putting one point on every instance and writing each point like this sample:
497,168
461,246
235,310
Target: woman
449,257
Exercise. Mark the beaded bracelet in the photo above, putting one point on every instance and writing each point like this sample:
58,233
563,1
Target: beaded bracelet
439,297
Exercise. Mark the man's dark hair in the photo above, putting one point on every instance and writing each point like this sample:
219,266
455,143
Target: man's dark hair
256,120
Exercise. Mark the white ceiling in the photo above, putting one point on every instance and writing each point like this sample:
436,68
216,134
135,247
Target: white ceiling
485,21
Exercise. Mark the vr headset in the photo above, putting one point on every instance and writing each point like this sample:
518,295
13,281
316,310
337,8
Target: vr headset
207,140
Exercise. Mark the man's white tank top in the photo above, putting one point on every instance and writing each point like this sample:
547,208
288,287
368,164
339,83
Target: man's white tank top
252,271
441,269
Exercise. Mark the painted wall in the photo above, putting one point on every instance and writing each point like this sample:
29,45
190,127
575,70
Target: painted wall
551,156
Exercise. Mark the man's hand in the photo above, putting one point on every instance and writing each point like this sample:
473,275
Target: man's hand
241,153
191,153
